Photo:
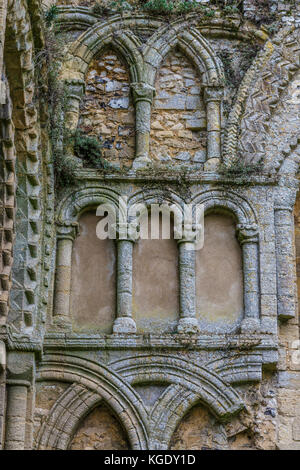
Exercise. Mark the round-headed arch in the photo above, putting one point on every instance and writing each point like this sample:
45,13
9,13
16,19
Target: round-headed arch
218,395
77,202
228,201
95,382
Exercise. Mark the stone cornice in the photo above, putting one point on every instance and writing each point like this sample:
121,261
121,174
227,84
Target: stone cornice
193,176
55,340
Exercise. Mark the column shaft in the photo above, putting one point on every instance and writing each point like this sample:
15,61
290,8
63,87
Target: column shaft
251,280
187,288
61,309
285,263
213,130
142,95
143,114
213,98
16,417
124,322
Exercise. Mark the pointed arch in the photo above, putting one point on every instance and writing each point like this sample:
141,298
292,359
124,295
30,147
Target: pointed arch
222,400
113,33
193,44
260,94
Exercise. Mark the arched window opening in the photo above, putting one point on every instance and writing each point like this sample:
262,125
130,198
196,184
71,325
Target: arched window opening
199,430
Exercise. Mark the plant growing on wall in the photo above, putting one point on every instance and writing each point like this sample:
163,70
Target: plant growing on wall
54,94
89,149
240,171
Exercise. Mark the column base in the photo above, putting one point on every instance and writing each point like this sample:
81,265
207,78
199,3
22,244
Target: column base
62,322
212,164
188,325
141,162
124,325
250,325
76,162
2,356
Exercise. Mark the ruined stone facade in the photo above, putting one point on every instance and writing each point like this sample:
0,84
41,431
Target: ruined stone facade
146,344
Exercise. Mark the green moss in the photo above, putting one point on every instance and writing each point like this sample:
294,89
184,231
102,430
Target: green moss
50,15
102,9
240,171
89,149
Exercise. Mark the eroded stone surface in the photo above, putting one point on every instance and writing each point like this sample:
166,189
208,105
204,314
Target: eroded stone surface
100,431
59,363
107,110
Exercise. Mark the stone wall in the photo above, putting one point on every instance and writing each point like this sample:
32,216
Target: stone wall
219,297
178,121
100,430
93,279
107,110
155,285
145,344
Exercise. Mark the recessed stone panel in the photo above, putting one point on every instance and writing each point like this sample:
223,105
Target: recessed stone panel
155,285
100,430
199,430
93,296
219,276
178,123
106,110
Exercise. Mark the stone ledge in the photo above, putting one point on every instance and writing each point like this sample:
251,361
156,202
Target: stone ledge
162,174
54,340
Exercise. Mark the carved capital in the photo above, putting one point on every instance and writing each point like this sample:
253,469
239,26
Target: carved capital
20,366
142,92
76,88
285,198
188,233
2,356
213,94
247,233
67,229
126,231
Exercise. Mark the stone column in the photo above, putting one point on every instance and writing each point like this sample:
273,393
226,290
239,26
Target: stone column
143,95
3,11
2,391
66,233
188,322
75,90
213,97
285,262
16,416
20,379
248,238
124,322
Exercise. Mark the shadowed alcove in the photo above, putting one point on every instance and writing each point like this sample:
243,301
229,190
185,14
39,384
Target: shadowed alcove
178,123
106,110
